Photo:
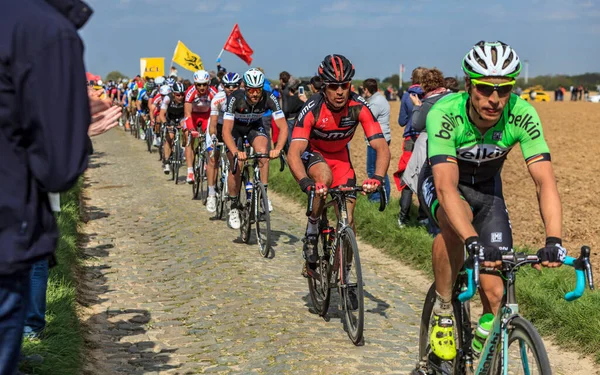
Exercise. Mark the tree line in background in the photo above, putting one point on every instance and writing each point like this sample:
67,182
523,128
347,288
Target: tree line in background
548,82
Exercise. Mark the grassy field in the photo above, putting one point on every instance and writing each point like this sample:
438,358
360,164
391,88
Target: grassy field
574,325
62,339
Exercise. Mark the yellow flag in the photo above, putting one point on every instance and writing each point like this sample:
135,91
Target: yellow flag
152,66
186,58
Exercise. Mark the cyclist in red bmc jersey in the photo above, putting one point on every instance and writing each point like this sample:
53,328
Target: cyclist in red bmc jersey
319,156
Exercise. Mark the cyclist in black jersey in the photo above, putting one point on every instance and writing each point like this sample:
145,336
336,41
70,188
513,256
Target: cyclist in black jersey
469,136
245,109
171,115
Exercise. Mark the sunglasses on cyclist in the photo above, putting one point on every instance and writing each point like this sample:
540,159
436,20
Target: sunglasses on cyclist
230,86
254,90
335,86
201,84
487,89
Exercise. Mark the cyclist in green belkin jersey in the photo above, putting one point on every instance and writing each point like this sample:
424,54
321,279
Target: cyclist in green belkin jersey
469,137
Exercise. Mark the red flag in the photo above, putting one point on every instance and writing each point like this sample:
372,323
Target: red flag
238,46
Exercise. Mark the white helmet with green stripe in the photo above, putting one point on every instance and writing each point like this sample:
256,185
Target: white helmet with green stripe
491,59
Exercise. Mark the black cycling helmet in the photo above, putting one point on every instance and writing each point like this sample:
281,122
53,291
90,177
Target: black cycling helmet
336,69
178,87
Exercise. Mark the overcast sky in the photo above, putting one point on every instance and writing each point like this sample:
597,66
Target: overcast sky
556,36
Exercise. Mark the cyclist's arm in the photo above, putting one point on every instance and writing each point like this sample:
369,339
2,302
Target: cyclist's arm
212,124
441,151
537,157
548,198
187,115
138,104
162,116
299,143
227,136
445,177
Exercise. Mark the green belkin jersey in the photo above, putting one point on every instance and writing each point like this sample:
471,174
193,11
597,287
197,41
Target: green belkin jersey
453,138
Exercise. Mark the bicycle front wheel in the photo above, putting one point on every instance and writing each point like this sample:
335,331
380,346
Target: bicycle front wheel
149,137
221,189
526,352
198,186
176,161
429,362
247,206
262,219
351,287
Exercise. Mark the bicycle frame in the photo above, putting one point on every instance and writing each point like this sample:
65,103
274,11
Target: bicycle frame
510,307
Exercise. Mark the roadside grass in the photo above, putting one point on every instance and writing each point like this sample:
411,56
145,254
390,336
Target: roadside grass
62,340
574,325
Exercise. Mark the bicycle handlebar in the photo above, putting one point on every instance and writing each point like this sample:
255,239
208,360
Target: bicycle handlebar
346,190
582,265
257,156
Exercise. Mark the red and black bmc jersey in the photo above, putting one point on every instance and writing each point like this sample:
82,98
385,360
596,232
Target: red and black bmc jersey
330,131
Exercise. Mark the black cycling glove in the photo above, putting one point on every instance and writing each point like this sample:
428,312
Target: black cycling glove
485,253
306,183
553,251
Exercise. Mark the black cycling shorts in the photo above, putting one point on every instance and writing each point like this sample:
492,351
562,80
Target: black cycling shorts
250,132
490,216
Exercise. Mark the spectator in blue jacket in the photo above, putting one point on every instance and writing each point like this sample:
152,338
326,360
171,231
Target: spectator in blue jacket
43,143
410,136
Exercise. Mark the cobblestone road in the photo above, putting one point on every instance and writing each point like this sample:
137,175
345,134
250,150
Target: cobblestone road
168,290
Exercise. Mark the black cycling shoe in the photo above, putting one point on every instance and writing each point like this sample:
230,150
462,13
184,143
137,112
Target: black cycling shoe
310,249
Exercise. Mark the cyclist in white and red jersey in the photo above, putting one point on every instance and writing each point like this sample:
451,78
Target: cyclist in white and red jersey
319,157
154,106
218,106
197,112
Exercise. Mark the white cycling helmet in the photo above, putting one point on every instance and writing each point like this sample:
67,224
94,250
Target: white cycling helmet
491,59
165,90
160,80
125,80
170,81
254,78
201,76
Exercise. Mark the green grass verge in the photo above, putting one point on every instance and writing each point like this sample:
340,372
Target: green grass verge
574,325
62,340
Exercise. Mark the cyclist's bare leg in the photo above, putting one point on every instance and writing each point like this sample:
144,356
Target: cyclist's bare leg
189,152
350,204
448,250
211,169
168,145
260,145
320,173
491,292
234,181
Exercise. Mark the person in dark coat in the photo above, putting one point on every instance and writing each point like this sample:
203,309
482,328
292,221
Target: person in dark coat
44,144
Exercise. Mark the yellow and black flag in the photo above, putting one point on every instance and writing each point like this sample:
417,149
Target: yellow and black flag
186,58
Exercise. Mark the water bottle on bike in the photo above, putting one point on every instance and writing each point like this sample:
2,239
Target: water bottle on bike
249,190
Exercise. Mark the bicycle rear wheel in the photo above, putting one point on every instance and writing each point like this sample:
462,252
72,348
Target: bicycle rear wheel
246,209
526,352
318,280
351,287
262,219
